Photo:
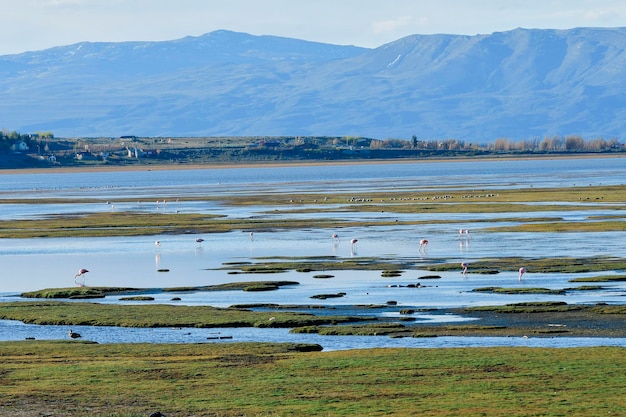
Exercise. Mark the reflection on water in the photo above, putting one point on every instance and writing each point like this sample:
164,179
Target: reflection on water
179,260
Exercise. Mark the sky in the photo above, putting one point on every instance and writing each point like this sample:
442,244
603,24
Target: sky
31,25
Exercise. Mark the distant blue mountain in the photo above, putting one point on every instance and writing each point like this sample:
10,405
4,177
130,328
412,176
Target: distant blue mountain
520,84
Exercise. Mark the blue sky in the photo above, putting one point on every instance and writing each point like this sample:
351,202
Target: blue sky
28,25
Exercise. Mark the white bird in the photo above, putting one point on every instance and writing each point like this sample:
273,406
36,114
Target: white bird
335,237
522,271
464,265
157,244
465,232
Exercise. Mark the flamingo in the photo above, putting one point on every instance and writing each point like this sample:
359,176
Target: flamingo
157,244
464,265
335,237
522,271
464,232
251,235
353,243
81,273
199,240
74,335
422,246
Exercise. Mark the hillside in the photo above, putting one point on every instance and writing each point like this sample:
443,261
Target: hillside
516,84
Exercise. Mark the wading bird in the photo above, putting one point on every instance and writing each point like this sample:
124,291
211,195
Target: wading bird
464,265
353,247
464,232
422,246
335,237
522,271
79,278
199,240
81,272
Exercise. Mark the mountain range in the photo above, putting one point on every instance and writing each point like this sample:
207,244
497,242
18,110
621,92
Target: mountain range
518,84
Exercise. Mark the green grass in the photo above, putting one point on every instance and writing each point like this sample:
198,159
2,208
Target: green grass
539,265
311,264
73,378
523,290
100,292
84,379
79,292
601,278
531,307
156,315
406,201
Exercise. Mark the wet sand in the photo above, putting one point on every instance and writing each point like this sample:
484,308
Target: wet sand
278,164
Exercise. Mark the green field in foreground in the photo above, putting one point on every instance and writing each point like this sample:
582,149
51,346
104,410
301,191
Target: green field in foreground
79,379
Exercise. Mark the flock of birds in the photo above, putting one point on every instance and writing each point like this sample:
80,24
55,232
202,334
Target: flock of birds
79,277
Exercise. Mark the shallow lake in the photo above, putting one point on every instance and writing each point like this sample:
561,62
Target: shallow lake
30,264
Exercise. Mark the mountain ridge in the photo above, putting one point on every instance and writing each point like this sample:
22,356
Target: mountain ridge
518,84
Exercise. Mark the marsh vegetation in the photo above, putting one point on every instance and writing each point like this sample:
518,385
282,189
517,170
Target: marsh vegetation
82,379
283,379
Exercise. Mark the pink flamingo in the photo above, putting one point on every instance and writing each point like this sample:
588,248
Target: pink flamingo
464,265
422,246
81,273
353,246
251,235
335,237
522,271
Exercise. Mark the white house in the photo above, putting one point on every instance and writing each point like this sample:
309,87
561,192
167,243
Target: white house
19,146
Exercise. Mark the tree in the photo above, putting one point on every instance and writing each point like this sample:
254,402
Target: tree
574,143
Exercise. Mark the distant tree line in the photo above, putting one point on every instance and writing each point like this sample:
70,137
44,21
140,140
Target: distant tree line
572,143
8,139
557,144
44,143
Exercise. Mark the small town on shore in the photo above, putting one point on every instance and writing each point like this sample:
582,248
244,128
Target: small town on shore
44,150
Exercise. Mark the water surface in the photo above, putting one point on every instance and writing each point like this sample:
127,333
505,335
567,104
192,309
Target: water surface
31,264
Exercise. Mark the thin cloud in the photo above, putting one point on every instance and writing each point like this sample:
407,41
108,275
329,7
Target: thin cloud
392,25
368,23
601,16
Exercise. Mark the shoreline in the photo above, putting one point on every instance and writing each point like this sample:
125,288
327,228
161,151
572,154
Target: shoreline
288,163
